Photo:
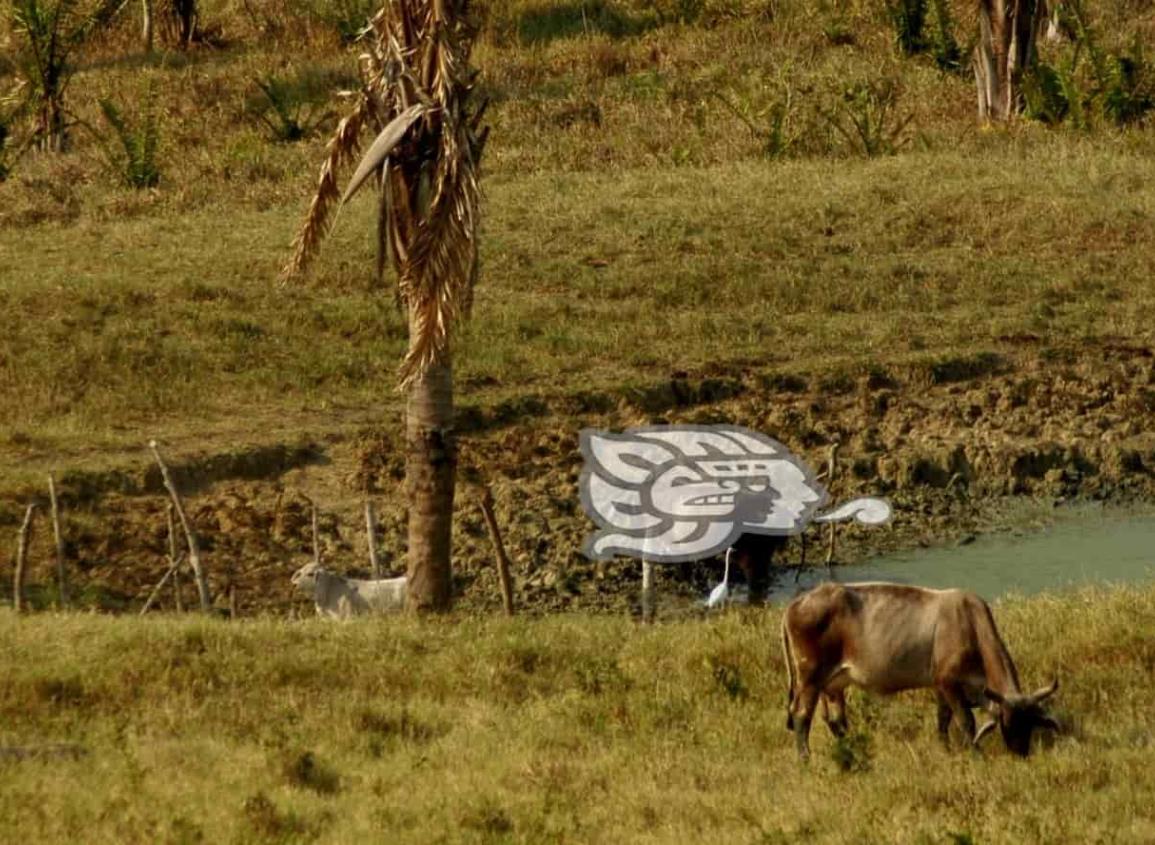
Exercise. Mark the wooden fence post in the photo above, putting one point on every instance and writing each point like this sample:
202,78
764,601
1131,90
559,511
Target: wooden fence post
61,576
22,560
168,573
498,549
316,536
173,560
831,470
647,590
371,535
194,554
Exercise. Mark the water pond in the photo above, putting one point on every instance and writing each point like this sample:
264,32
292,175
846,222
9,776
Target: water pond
1092,547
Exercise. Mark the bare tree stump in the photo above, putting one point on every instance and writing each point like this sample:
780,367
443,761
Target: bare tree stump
58,535
22,560
499,550
371,536
194,555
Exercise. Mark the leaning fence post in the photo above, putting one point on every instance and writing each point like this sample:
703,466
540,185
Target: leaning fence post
61,577
194,555
22,560
498,550
168,573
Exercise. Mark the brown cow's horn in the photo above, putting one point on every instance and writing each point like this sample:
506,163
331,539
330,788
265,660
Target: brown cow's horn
1046,692
984,730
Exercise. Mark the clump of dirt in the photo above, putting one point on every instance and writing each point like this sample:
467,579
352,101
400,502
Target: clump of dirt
947,443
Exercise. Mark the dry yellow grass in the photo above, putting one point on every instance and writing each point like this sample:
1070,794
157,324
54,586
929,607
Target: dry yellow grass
571,728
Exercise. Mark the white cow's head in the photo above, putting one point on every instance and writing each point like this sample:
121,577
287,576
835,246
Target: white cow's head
305,578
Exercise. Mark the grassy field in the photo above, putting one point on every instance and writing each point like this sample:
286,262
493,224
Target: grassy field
570,728
635,225
670,207
675,229
592,282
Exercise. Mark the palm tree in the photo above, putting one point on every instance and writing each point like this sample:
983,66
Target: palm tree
424,160
49,35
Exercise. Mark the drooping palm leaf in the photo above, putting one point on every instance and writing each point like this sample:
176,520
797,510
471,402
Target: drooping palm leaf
417,95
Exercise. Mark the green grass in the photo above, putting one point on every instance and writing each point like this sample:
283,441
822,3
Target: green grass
176,326
571,728
633,227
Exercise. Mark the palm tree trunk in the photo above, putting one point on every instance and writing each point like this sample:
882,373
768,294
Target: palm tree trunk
1008,30
430,470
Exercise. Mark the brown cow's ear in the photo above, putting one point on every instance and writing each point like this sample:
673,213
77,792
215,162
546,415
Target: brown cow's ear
994,696
1042,694
984,730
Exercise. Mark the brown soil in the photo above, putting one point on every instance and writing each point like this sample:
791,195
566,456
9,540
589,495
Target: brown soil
948,444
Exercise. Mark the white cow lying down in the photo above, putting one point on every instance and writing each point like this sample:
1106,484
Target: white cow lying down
340,597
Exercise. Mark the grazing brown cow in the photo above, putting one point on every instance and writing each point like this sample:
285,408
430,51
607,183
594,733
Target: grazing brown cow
888,637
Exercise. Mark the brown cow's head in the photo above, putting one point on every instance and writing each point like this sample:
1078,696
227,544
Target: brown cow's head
1018,716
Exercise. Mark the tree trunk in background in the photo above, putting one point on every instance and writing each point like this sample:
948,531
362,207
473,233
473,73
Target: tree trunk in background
146,25
1007,33
430,470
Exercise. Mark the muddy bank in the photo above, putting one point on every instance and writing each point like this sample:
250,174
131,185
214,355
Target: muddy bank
954,445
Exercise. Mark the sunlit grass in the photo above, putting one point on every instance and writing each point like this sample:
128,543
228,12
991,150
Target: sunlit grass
571,728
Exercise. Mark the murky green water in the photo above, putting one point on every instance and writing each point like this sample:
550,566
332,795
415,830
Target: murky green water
1093,548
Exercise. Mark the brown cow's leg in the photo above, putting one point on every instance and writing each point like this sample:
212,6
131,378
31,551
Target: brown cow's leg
804,705
957,701
944,717
834,711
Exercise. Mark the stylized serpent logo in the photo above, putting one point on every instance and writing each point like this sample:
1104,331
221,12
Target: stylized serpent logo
674,493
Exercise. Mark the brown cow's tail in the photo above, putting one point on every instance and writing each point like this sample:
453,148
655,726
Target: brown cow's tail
788,656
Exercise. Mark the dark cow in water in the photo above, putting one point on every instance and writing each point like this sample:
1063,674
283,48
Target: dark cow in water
888,637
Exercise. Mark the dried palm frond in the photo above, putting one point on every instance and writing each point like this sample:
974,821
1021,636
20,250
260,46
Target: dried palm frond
417,92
